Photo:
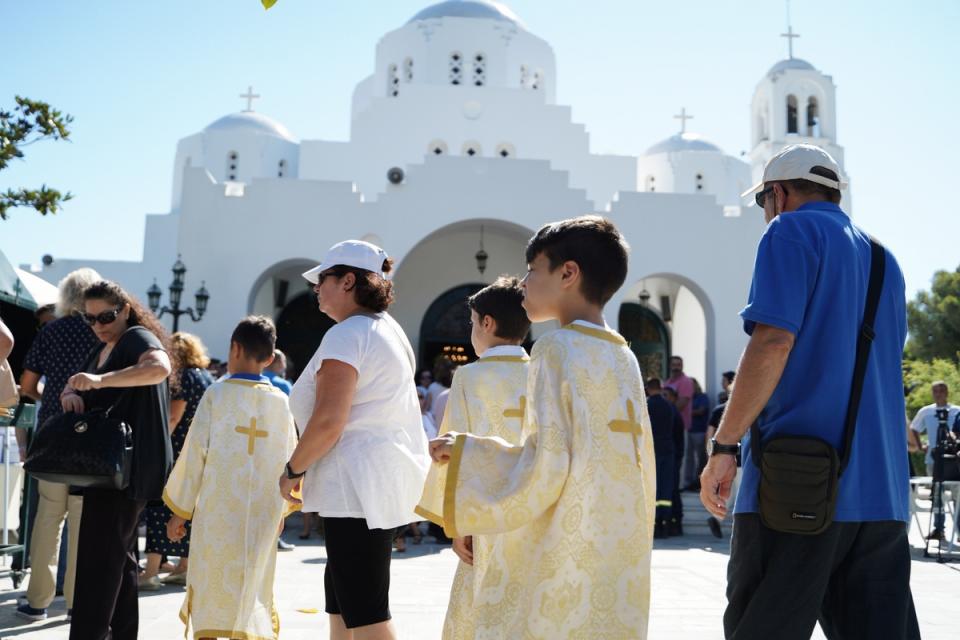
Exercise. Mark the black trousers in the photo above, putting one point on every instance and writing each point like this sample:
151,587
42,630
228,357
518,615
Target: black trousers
854,578
105,600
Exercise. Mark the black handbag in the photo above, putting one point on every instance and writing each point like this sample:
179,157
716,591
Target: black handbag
92,449
800,475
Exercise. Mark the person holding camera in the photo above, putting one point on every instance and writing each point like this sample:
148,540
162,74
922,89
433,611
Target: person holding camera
926,421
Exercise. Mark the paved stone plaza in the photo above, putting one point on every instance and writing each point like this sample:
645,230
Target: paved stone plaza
688,594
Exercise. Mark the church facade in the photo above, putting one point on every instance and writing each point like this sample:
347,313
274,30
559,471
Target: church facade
458,150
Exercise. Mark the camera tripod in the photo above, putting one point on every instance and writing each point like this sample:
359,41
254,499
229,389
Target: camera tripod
938,511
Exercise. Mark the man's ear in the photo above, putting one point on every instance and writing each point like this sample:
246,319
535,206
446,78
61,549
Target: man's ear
489,325
569,273
349,281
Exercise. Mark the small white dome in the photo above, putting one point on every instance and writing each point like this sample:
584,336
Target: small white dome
251,121
790,63
468,9
683,142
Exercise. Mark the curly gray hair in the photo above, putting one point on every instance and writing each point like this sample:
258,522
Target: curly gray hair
72,288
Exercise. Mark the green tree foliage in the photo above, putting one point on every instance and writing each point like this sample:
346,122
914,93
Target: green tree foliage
919,374
30,121
934,319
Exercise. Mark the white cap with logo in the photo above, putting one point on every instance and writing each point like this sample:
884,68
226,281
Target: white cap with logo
797,162
350,253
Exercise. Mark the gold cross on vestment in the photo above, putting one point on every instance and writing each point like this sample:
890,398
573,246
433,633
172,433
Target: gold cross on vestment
252,434
631,426
518,412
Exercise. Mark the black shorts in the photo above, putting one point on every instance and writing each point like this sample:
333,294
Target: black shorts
357,578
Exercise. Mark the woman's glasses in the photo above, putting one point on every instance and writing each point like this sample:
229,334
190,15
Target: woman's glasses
104,317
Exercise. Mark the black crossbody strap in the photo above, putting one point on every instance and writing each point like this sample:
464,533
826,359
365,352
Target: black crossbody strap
878,265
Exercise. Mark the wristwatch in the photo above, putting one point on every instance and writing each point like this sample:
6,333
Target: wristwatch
293,476
716,448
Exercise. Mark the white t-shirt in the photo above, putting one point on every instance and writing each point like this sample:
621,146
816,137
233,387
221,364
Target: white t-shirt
377,469
434,390
429,426
926,422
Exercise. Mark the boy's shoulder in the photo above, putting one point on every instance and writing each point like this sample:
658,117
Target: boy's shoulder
482,369
577,337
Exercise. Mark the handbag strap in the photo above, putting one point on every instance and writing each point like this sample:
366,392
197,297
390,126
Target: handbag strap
878,263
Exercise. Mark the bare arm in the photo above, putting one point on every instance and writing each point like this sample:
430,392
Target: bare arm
177,409
153,367
761,367
682,402
336,385
30,384
6,341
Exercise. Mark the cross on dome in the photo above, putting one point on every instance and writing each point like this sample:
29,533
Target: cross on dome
789,35
683,117
250,96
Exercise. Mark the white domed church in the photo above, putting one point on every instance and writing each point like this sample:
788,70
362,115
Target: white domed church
458,153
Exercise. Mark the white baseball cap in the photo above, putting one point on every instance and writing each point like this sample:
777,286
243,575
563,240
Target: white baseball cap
350,253
796,162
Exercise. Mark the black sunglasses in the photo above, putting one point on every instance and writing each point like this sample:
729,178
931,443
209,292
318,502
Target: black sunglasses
326,274
104,317
761,197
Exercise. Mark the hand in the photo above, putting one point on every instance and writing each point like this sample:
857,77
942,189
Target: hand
176,528
71,402
463,547
715,483
442,448
85,381
287,486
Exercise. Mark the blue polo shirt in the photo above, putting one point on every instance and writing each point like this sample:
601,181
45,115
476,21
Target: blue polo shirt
810,278
280,383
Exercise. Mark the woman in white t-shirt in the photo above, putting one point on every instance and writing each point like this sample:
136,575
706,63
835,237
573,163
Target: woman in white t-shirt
362,453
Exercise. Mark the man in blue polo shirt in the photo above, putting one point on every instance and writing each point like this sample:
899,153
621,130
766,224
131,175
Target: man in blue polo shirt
804,314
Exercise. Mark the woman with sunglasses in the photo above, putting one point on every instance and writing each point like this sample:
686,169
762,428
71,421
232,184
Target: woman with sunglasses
362,452
128,372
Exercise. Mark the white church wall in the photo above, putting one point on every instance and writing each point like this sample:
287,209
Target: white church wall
231,241
486,120
687,238
689,332
329,160
493,52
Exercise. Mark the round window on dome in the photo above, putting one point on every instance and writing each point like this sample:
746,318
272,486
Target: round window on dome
506,150
437,148
471,149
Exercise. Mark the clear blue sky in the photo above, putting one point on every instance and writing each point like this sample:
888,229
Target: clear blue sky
138,76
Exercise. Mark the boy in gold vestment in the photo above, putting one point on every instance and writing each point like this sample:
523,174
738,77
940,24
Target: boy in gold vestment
486,399
225,481
578,492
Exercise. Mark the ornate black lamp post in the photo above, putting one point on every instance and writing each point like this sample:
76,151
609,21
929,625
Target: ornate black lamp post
176,292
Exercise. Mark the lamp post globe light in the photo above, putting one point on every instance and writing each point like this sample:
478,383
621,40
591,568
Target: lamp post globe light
154,293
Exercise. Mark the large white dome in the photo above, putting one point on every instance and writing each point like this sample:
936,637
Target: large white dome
683,142
250,121
468,9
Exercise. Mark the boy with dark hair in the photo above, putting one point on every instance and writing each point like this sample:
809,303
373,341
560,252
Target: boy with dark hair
578,492
486,399
225,481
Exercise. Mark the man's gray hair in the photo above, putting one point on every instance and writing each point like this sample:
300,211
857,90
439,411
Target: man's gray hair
72,288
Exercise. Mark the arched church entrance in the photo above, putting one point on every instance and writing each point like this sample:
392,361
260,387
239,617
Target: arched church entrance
445,330
300,328
282,294
667,314
648,336
434,278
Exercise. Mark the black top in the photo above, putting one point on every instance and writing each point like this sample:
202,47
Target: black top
662,418
144,408
59,351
